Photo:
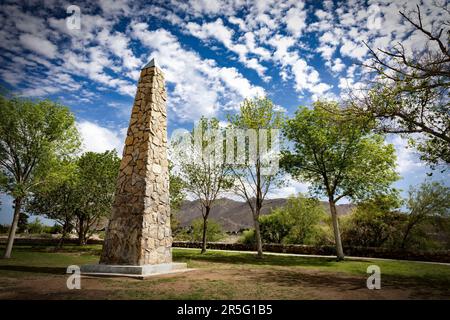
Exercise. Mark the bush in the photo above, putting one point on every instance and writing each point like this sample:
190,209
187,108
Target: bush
195,232
4,228
298,222
36,227
55,229
248,237
375,222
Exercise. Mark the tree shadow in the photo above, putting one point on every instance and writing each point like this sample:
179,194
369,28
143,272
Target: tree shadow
34,269
289,278
267,260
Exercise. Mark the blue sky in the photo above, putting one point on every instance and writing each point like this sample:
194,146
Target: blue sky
213,53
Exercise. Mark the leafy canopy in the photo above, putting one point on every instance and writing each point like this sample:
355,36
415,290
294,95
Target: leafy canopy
339,158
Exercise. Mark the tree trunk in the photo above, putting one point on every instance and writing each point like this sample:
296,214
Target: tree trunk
205,226
337,233
81,232
12,230
63,235
258,234
406,235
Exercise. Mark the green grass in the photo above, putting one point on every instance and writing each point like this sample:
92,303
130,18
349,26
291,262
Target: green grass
389,268
42,256
274,276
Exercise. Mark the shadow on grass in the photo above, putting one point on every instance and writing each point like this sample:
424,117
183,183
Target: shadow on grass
48,270
245,258
317,280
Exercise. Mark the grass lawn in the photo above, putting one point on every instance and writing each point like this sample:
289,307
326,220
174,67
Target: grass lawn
39,273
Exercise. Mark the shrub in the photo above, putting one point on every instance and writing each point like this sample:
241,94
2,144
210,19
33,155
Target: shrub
195,232
55,229
298,222
248,237
4,228
36,227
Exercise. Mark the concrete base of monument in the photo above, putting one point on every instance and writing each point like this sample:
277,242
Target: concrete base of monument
140,272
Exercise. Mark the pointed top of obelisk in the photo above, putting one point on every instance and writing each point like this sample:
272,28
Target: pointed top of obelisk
151,64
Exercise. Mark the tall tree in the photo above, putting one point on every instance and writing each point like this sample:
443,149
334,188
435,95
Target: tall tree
97,175
176,196
33,134
339,158
253,182
59,198
410,93
80,195
203,169
427,200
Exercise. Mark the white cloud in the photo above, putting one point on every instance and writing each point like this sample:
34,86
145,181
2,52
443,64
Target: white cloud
200,86
408,161
99,139
217,30
291,188
296,19
39,45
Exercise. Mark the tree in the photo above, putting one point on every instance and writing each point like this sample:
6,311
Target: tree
337,157
22,225
256,174
81,195
202,168
213,233
59,198
296,222
33,134
176,195
411,89
375,222
97,177
430,199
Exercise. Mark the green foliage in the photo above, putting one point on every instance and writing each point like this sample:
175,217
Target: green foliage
4,228
339,158
298,222
22,225
248,237
33,134
425,203
36,227
175,190
55,229
251,183
202,170
82,195
214,231
374,223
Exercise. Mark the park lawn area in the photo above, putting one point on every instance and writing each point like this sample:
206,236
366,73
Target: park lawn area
39,273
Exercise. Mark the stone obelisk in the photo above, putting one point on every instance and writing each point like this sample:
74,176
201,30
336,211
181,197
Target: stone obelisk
138,238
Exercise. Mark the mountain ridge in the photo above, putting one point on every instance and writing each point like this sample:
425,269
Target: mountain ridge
234,215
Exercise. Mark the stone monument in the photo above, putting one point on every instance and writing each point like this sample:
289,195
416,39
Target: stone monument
138,239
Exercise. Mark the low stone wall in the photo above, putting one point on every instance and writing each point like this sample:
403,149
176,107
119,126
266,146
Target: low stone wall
435,256
46,241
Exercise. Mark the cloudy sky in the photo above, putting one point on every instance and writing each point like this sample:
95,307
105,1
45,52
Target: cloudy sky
213,54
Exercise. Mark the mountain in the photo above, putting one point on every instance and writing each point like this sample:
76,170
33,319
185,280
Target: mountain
235,215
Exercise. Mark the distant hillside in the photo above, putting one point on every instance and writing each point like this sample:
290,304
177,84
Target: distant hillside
235,215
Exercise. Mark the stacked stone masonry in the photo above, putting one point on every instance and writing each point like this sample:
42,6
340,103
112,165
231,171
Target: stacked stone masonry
139,231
